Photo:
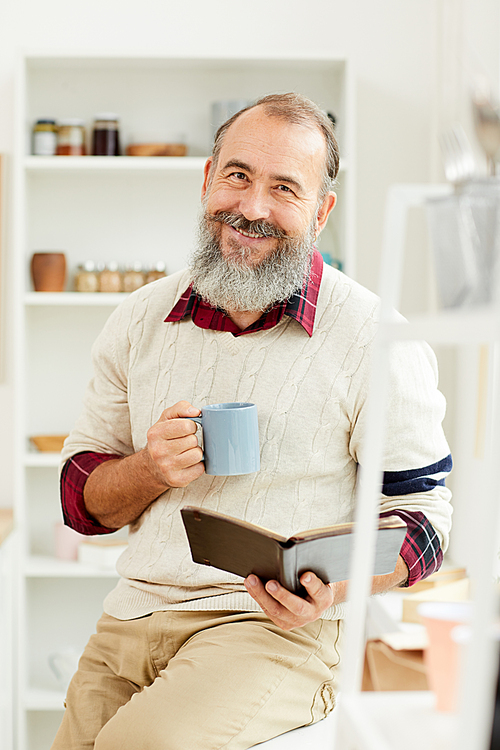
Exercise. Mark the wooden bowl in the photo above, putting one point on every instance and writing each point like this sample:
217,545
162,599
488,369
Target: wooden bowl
156,149
48,443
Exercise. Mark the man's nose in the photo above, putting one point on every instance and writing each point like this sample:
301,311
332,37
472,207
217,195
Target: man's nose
255,203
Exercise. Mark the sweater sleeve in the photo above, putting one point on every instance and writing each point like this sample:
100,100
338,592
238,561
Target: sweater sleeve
102,431
416,456
104,426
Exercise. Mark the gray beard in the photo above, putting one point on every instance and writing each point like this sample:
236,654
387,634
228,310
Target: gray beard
231,284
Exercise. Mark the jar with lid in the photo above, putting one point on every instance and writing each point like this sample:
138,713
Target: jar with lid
156,271
133,276
110,278
105,135
87,277
45,137
71,138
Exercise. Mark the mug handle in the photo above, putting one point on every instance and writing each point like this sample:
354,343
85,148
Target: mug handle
198,420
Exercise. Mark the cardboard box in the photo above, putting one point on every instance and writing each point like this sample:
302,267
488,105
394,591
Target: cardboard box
458,591
445,575
387,668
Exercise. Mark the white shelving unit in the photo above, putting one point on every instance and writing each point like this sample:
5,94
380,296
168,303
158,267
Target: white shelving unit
7,546
123,209
385,720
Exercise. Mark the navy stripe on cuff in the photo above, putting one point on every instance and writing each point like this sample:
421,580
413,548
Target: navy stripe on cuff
416,480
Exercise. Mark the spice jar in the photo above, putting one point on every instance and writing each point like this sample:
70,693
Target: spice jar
71,138
45,137
133,276
105,136
155,272
110,280
87,277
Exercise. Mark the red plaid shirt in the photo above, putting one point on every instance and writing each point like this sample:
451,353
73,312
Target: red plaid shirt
421,549
301,306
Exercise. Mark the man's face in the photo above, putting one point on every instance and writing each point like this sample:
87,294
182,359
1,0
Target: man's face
261,214
269,171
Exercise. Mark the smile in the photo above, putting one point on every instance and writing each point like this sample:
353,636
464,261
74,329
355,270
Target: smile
252,235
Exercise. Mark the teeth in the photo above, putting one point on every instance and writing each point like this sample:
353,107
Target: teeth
249,234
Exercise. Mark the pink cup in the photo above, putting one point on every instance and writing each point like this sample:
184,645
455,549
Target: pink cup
66,542
442,654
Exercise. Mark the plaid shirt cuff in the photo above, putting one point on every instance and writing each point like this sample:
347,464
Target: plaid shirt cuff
421,549
75,473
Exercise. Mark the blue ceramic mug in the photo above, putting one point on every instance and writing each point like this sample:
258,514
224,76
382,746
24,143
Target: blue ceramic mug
230,438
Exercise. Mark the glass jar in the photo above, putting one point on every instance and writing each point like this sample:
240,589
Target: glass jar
105,135
110,279
156,271
44,137
71,138
133,276
87,277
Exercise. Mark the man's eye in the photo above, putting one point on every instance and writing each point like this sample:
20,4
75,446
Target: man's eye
239,175
284,188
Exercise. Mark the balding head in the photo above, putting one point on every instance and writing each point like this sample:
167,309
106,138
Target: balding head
297,110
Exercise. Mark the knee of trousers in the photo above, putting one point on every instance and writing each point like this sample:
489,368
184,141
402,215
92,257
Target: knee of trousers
137,726
141,736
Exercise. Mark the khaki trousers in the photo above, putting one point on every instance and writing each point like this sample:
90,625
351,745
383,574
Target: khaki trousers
198,681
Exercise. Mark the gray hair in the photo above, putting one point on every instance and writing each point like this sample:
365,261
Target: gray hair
296,110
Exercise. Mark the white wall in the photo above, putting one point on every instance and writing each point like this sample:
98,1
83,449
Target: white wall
396,48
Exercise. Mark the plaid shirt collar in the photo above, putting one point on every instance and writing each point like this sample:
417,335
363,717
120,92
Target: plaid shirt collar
301,306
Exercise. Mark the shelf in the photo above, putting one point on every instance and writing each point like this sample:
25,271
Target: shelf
96,299
454,326
388,718
40,566
317,63
40,699
38,460
111,164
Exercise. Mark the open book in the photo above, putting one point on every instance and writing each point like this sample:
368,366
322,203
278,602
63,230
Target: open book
243,548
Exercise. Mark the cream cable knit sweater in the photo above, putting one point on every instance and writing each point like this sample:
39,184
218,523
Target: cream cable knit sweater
310,393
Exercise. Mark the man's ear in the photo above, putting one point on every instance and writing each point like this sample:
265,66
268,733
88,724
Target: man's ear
324,211
206,178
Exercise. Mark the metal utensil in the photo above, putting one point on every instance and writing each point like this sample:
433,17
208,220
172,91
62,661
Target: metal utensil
458,158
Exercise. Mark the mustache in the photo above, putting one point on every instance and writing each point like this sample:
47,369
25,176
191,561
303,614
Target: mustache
238,221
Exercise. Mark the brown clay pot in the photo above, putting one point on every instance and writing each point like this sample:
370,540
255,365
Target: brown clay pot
48,271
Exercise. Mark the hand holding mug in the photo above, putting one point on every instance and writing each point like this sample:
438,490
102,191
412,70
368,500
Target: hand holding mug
230,442
173,446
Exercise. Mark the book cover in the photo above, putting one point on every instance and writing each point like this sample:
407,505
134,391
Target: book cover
242,548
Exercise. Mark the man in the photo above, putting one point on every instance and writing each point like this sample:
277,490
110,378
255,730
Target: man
188,656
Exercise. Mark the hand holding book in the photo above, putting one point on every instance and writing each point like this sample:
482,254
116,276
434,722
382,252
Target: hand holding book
290,611
245,549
